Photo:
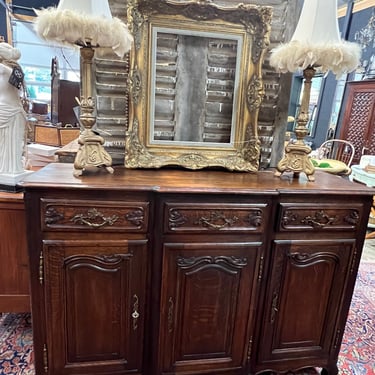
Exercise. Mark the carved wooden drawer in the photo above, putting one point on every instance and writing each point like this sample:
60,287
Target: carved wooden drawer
320,217
214,217
93,216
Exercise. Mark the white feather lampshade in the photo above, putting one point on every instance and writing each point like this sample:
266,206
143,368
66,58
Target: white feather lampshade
88,24
316,42
82,21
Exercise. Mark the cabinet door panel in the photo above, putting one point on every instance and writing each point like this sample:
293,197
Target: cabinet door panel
207,292
95,296
14,265
304,299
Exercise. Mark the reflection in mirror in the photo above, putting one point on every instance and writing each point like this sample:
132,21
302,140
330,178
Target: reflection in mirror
193,80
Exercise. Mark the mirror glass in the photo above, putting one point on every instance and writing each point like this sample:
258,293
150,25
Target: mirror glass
195,87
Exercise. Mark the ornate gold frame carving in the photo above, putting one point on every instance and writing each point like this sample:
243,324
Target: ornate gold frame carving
250,24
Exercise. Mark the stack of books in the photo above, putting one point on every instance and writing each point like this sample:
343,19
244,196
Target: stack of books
39,155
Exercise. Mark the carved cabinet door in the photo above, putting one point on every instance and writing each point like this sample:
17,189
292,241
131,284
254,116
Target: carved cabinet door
95,305
207,303
303,303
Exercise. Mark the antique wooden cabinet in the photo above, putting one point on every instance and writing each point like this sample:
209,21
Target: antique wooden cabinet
14,265
190,272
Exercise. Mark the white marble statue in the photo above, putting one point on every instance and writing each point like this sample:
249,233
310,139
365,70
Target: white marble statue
12,115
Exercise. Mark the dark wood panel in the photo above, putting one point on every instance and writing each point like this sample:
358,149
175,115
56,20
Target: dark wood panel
304,299
95,294
319,217
63,101
207,292
59,214
211,217
14,264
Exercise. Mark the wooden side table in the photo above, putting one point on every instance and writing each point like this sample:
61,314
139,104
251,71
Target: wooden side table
14,264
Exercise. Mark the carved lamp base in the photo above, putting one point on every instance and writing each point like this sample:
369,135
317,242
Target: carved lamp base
91,153
296,157
296,160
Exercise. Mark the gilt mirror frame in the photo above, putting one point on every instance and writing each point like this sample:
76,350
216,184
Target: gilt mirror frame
245,28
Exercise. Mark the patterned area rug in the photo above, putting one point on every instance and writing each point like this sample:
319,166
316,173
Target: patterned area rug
357,355
16,345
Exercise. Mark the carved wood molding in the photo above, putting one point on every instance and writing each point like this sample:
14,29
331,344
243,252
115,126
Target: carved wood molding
229,264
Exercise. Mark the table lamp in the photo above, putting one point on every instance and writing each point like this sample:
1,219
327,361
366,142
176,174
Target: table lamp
89,25
316,45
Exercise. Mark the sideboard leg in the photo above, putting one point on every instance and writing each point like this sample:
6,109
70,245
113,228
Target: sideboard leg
330,370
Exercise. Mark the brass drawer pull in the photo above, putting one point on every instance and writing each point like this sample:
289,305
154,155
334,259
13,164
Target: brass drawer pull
217,221
320,219
94,219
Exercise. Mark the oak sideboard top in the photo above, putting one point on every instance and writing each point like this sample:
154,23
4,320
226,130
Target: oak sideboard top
60,176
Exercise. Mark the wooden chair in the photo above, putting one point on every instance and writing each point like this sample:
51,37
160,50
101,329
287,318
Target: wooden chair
338,149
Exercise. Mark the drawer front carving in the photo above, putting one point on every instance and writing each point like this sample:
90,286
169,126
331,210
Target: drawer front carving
94,216
194,217
322,217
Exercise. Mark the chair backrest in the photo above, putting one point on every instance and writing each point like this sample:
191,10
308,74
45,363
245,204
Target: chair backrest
338,149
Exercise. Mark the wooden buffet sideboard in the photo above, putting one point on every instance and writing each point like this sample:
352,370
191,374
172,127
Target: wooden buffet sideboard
14,264
190,272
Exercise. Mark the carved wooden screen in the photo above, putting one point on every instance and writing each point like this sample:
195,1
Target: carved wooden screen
358,124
